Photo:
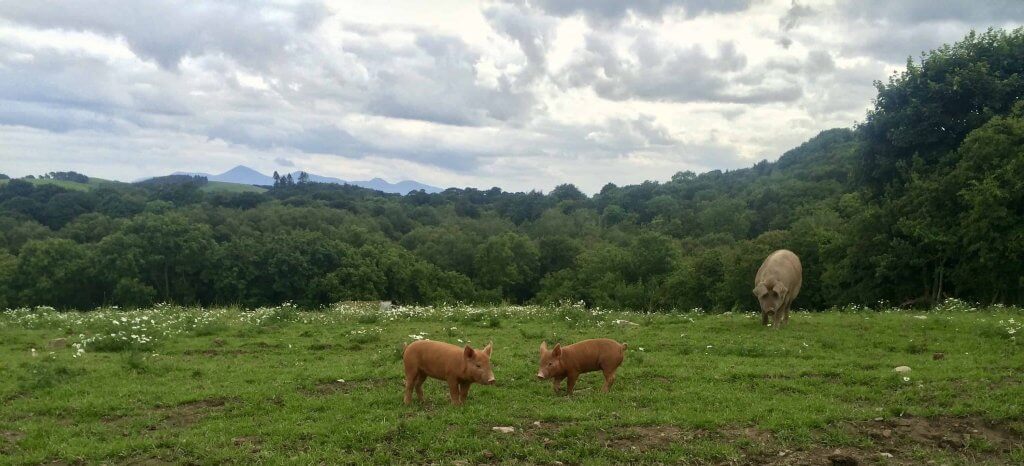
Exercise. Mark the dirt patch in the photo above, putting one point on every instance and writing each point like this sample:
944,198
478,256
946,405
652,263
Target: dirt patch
946,433
11,436
643,438
320,346
751,434
186,414
252,443
331,387
113,419
890,440
820,456
215,352
147,462
9,440
264,345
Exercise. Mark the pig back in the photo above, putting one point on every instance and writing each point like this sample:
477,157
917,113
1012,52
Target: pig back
434,358
591,355
784,267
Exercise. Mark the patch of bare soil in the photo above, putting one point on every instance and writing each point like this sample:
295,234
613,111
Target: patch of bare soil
252,443
644,438
891,440
147,462
8,440
11,436
186,414
215,352
750,434
331,387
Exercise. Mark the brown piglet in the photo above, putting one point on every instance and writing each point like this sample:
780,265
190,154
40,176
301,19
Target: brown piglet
601,354
460,367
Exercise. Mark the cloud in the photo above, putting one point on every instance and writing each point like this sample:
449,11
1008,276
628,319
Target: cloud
926,11
609,12
787,22
655,71
512,93
167,31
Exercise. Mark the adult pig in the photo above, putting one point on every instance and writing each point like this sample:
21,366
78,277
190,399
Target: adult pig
601,354
460,367
776,285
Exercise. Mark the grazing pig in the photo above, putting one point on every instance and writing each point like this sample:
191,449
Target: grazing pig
460,367
601,354
776,285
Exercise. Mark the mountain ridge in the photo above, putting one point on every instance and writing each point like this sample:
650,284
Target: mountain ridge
242,174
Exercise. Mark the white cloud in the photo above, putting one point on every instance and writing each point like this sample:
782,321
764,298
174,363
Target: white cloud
521,95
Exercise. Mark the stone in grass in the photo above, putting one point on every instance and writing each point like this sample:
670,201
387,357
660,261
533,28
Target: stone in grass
504,430
938,356
902,369
58,343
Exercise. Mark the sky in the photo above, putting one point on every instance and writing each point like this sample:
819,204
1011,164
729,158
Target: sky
521,95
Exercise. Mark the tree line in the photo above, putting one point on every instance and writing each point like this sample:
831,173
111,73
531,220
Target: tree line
922,200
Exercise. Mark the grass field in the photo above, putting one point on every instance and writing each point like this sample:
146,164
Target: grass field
220,186
279,385
70,185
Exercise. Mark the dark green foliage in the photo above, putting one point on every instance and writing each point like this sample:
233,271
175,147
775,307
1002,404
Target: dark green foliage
922,201
67,176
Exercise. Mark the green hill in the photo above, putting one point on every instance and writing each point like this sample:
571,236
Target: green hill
909,207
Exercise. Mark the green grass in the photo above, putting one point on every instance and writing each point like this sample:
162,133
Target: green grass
280,385
70,185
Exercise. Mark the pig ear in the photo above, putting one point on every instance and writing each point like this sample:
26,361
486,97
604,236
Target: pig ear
558,350
781,289
543,347
468,352
487,349
760,290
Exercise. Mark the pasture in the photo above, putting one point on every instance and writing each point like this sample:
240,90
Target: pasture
283,385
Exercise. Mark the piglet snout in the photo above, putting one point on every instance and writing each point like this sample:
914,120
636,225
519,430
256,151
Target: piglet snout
490,381
540,376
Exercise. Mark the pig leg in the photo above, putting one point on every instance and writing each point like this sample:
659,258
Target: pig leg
556,385
454,391
411,377
609,379
785,315
419,386
464,390
570,383
777,319
764,319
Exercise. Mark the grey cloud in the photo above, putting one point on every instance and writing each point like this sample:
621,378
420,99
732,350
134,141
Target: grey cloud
434,79
793,15
262,134
610,12
894,30
787,22
921,11
532,33
816,63
66,90
894,45
167,30
284,162
667,73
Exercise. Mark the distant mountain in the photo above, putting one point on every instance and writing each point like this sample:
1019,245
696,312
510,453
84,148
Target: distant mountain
239,175
245,175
